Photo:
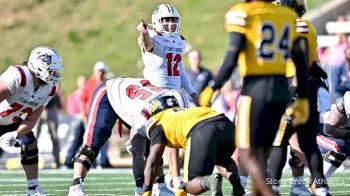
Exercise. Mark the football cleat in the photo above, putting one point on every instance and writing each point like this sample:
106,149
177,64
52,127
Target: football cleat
161,189
36,192
299,189
77,190
138,191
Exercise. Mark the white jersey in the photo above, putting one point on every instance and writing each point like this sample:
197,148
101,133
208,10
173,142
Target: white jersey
24,99
132,99
164,66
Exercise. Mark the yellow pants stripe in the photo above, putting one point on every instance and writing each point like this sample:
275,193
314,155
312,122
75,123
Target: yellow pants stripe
187,159
242,134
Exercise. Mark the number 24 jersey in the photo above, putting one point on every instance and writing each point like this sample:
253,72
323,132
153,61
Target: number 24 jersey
270,31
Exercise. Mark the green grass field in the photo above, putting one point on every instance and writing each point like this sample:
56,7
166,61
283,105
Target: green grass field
120,182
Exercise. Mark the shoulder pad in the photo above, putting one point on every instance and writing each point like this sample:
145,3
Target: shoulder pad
302,27
346,99
150,124
22,74
236,17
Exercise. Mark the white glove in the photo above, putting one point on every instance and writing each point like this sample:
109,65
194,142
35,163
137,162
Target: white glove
177,183
9,139
168,181
128,146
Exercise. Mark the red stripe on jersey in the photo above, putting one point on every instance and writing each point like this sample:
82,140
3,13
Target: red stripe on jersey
53,91
92,115
120,127
23,81
145,113
327,143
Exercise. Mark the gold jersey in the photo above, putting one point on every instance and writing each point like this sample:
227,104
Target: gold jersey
270,31
306,30
178,122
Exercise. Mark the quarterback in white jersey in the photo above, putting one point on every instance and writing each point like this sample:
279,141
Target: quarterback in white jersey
128,100
162,50
24,93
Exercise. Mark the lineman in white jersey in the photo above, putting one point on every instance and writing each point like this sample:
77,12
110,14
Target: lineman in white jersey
128,100
25,90
162,50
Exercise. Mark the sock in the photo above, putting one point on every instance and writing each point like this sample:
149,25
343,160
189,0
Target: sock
139,181
160,179
243,180
328,169
33,183
78,180
298,180
235,180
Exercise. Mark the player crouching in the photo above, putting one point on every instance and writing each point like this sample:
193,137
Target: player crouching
208,138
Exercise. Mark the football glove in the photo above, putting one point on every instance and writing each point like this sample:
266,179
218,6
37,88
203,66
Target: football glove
177,183
206,96
10,139
299,111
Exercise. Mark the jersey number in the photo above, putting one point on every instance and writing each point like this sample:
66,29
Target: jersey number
268,32
172,71
134,91
15,107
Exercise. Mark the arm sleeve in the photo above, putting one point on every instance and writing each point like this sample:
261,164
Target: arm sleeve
12,79
157,136
237,42
185,82
300,56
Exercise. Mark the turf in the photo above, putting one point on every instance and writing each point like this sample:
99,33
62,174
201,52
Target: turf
120,182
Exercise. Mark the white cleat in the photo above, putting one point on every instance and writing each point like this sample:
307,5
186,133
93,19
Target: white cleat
299,190
36,192
138,191
77,190
161,189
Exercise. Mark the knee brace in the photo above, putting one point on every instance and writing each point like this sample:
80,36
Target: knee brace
294,161
334,158
29,150
85,150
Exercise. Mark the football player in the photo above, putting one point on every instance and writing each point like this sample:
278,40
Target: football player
162,50
25,90
129,101
306,133
262,36
334,141
206,135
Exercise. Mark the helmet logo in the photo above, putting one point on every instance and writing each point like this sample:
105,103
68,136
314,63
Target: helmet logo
45,58
170,102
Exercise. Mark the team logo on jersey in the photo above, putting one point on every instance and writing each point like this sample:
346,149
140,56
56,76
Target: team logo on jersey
45,58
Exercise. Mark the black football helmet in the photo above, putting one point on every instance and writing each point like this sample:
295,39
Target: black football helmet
163,103
298,5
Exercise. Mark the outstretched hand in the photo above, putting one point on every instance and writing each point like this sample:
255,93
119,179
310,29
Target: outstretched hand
142,27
